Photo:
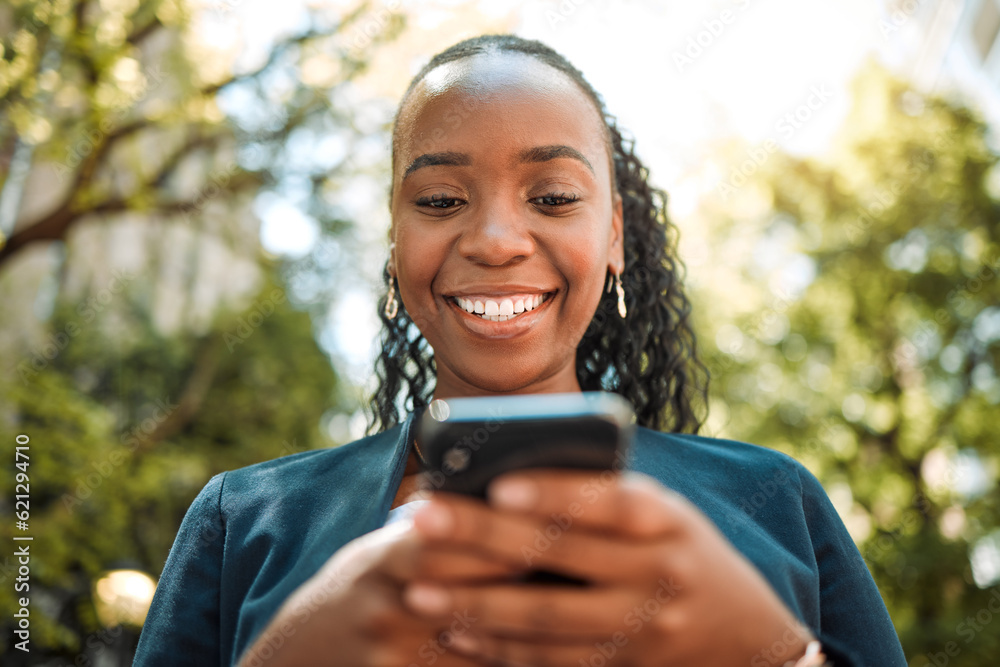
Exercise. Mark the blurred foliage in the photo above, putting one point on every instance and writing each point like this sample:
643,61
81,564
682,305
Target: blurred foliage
123,437
126,111
100,97
856,324
130,108
862,337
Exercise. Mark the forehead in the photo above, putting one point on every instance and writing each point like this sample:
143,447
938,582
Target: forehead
493,87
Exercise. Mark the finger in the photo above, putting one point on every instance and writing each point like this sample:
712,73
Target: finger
529,542
631,503
436,649
397,636
562,614
413,557
512,652
451,657
400,637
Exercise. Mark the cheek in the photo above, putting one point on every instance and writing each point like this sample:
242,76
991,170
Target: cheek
585,261
419,256
585,268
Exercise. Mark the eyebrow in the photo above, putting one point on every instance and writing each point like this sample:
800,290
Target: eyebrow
433,159
546,153
536,154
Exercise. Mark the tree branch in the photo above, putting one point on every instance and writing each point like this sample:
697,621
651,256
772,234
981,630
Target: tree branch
57,224
193,394
145,31
278,51
170,164
90,165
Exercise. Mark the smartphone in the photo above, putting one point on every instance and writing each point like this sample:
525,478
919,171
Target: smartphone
467,442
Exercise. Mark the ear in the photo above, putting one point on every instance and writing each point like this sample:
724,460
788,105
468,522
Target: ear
616,238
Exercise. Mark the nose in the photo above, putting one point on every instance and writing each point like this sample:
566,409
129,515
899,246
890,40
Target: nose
498,234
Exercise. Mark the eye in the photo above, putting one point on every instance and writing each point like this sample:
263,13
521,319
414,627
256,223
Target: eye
439,202
555,200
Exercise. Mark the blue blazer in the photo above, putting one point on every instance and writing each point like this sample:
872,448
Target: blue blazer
254,535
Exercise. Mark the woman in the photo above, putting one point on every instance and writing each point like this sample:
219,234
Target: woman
514,202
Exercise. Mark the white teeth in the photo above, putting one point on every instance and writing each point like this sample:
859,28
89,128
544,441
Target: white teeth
501,311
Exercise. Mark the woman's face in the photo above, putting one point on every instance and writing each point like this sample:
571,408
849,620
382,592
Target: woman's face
502,205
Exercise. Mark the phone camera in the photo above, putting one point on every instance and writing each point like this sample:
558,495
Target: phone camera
456,459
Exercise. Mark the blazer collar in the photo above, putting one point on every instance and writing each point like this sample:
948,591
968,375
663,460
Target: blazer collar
395,463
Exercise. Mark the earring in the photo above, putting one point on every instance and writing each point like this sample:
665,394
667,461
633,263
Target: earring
621,296
391,304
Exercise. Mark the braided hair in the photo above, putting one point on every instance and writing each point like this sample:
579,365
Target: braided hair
649,357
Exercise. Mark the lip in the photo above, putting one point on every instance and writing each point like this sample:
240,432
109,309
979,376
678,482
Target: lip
501,330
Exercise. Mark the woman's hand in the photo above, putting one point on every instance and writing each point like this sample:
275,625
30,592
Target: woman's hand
350,613
667,587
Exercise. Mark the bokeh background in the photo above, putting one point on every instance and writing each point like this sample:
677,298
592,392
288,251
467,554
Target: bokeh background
193,226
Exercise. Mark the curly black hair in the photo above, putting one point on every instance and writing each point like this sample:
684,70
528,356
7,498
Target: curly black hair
649,357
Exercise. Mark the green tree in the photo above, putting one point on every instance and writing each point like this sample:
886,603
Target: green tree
123,438
117,106
115,114
860,332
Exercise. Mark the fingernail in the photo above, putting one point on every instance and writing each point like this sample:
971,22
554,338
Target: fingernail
517,494
428,599
434,519
465,643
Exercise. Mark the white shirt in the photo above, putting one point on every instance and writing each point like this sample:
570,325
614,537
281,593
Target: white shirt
404,511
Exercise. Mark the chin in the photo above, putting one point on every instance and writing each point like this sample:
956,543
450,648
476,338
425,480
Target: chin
505,381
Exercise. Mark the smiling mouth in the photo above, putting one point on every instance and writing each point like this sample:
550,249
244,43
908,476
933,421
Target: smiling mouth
501,309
